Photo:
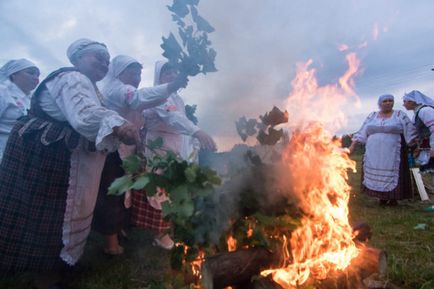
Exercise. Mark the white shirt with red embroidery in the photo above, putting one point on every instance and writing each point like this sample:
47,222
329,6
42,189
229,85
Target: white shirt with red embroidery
169,121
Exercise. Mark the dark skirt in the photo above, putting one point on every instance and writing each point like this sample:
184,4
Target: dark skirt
428,168
404,189
145,216
33,190
110,215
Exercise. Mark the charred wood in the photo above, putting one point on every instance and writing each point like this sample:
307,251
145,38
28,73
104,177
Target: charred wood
236,268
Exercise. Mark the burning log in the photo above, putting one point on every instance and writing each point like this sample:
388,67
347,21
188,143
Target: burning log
235,268
370,261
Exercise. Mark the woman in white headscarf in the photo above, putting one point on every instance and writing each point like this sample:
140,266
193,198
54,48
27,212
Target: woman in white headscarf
385,134
181,136
52,166
423,107
121,94
18,78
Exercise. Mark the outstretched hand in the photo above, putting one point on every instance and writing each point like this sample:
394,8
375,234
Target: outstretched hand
127,133
180,81
206,141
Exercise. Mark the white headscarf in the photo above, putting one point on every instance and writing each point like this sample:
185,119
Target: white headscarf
158,66
383,97
80,46
118,65
13,66
419,98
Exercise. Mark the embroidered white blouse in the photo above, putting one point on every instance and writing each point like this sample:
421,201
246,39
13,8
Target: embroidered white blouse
382,158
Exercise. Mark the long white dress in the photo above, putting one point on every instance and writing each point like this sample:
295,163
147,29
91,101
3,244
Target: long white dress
14,103
382,158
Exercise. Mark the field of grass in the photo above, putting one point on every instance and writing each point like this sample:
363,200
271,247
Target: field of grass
410,252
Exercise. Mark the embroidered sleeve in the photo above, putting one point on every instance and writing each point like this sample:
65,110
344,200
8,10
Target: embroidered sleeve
143,98
77,99
361,135
173,118
409,130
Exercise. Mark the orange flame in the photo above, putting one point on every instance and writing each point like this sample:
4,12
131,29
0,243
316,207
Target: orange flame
309,101
232,243
249,232
317,168
197,263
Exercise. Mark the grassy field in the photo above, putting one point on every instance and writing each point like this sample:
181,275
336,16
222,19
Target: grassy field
410,252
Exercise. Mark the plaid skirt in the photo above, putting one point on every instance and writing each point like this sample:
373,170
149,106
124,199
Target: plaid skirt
145,216
33,190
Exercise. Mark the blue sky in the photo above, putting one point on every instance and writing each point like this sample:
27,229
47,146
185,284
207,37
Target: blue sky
258,44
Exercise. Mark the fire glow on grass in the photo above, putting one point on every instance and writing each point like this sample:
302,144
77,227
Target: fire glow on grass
317,167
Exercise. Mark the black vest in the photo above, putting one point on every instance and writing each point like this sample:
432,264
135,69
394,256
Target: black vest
422,130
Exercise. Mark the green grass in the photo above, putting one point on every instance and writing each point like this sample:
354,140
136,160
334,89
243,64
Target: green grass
410,252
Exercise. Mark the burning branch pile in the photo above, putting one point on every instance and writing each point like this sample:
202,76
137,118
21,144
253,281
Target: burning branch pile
317,168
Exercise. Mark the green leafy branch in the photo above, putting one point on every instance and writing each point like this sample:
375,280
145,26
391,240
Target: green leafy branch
264,129
195,55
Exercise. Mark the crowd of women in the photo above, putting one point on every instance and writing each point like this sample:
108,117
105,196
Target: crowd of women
62,146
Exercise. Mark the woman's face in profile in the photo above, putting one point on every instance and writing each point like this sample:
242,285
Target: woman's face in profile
26,79
131,75
409,105
386,105
94,64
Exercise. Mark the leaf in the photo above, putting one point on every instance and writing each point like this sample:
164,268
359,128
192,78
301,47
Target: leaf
271,138
190,111
151,188
140,183
208,63
245,127
274,117
190,174
166,208
179,7
203,25
179,194
156,143
212,176
132,164
172,49
186,209
178,20
120,185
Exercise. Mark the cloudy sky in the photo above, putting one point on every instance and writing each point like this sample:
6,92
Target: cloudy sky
258,45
